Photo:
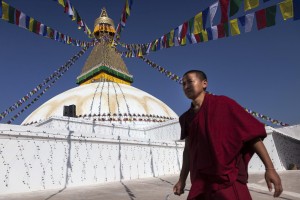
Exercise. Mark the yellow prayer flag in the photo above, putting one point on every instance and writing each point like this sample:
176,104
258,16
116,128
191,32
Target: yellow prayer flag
205,36
183,41
234,27
127,8
171,39
198,23
250,4
74,17
286,8
5,11
31,21
62,3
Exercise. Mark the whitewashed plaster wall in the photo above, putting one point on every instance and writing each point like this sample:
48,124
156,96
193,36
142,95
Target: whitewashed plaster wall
38,158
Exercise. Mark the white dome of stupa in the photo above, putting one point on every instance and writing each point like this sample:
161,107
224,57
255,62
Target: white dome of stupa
107,102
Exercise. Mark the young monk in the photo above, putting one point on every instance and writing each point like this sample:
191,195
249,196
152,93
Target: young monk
220,139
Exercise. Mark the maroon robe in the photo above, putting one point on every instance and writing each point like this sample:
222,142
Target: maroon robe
218,149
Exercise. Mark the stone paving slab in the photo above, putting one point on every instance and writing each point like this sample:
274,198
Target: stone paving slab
156,188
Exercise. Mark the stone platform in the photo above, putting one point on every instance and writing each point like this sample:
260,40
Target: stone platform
157,188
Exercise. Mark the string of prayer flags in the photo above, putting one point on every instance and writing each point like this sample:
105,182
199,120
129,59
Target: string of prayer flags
57,73
125,14
162,70
193,30
17,17
286,8
73,13
178,79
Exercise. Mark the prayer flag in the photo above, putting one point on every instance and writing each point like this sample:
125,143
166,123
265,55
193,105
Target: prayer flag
204,16
271,15
193,38
1,8
5,11
70,8
242,20
214,30
224,10
249,22
197,37
296,6
209,33
286,8
127,8
234,27
212,11
198,23
261,20
61,2
176,33
31,21
250,4
171,38
11,13
204,36
221,30
191,25
38,26
22,20
18,13
234,7
183,33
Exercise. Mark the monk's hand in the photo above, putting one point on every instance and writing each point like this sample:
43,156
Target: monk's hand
272,177
178,189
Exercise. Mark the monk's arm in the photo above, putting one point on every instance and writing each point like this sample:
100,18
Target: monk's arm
185,162
185,169
271,175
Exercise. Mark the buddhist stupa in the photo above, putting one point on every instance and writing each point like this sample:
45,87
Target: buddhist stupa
105,93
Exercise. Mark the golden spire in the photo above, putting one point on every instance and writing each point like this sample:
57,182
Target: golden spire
104,63
104,24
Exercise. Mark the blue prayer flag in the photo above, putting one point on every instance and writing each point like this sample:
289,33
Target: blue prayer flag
209,33
296,5
1,8
242,20
204,17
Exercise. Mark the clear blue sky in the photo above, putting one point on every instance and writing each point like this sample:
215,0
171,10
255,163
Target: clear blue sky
260,69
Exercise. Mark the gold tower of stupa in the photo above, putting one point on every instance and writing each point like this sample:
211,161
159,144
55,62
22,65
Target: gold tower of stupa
104,63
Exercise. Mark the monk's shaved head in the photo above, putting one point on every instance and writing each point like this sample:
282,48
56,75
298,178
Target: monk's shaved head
200,74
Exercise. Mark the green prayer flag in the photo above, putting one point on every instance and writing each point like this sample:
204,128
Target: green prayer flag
234,6
11,15
271,15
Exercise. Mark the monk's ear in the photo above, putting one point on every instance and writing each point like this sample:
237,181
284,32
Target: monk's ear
204,83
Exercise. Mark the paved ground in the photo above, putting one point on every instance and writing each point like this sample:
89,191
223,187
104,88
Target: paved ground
155,189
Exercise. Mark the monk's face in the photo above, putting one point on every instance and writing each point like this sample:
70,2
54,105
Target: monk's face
193,86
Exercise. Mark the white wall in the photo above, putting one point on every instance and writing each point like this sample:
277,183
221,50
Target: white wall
37,158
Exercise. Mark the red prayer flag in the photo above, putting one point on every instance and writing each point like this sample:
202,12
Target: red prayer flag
221,30
261,19
38,26
18,13
224,10
184,30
